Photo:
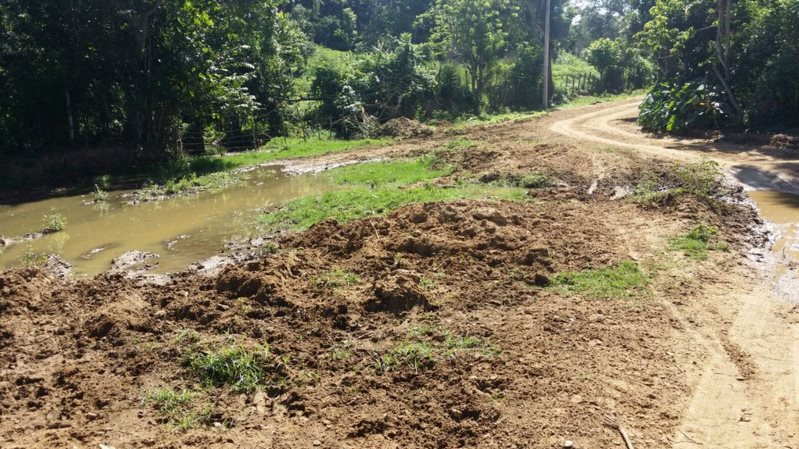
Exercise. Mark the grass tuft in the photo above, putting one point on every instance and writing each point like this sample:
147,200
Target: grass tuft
240,368
53,223
177,408
697,243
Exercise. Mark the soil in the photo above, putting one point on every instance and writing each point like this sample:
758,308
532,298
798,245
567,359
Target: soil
405,128
79,356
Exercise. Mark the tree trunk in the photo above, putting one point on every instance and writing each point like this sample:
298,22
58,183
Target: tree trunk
70,118
547,69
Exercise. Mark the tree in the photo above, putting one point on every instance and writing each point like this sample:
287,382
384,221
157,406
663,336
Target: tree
472,32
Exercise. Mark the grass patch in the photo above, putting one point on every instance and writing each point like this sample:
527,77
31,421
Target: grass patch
703,180
496,119
242,369
177,408
427,345
623,280
402,172
697,243
362,202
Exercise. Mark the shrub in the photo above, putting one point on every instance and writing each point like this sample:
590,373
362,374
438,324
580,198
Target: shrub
54,223
679,108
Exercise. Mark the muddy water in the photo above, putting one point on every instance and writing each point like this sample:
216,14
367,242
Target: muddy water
782,210
181,230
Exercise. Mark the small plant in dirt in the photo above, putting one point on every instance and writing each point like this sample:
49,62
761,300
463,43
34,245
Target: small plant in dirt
427,344
697,243
415,354
53,223
101,186
336,279
340,351
31,258
427,283
623,280
242,369
177,408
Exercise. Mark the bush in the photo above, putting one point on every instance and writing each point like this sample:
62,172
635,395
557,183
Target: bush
680,108
54,223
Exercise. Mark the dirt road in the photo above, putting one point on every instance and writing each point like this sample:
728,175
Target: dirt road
730,409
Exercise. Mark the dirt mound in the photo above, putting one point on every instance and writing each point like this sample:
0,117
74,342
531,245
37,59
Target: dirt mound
784,141
404,127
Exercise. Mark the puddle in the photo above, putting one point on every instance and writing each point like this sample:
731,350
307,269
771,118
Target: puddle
181,230
782,210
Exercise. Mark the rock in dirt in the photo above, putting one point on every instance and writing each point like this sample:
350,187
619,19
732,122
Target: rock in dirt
4,241
405,128
132,259
57,266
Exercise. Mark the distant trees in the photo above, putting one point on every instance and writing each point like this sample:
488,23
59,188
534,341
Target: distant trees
741,57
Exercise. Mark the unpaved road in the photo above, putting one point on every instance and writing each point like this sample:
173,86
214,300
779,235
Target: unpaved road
727,411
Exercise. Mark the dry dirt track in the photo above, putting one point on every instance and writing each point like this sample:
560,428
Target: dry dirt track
727,411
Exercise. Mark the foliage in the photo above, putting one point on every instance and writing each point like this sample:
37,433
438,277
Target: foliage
680,108
697,243
623,280
620,66
400,171
177,408
53,223
473,32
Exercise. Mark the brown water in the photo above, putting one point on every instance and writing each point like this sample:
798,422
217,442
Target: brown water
782,210
181,230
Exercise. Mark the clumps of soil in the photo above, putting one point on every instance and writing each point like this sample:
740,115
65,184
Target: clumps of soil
431,328
784,141
403,127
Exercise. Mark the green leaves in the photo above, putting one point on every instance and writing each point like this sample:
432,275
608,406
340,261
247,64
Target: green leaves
679,108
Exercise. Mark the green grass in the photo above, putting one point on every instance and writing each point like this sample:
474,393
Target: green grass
427,345
401,172
623,280
569,65
496,119
362,202
238,367
177,408
297,148
699,242
587,100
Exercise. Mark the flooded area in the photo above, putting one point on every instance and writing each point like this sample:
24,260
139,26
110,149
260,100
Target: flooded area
782,210
181,230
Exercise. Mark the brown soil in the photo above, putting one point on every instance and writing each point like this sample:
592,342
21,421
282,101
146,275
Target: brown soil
79,356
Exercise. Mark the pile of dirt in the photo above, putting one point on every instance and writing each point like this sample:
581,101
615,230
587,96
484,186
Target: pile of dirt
404,127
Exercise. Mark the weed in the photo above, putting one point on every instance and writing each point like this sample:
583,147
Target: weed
454,345
336,278
340,351
186,337
54,223
177,408
102,182
31,258
416,354
703,180
242,369
427,283
698,242
619,281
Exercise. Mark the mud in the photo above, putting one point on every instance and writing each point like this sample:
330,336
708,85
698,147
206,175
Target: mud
80,355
